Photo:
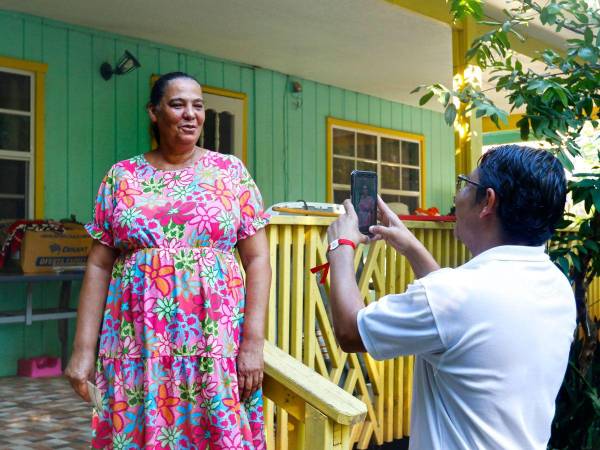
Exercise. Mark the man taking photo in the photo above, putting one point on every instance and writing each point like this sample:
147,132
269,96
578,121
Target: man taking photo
491,338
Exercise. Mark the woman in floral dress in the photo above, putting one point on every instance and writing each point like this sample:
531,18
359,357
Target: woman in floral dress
180,360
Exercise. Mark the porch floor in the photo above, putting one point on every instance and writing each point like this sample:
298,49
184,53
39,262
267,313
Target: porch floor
42,413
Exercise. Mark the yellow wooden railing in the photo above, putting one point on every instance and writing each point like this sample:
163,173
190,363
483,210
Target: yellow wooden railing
298,323
319,413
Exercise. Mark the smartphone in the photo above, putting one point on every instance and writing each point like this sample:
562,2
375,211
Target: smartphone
363,190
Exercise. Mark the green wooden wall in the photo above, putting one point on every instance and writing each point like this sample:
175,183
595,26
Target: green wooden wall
91,123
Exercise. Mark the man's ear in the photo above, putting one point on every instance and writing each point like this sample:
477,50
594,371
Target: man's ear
489,204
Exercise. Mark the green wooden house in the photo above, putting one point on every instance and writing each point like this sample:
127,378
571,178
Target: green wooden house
303,92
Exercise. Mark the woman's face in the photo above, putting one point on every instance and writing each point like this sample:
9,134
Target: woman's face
180,113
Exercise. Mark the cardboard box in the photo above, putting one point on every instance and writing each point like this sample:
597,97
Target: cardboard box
49,251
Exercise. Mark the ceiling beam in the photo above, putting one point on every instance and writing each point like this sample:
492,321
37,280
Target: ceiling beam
440,11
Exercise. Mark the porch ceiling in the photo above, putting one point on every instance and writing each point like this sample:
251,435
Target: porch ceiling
372,46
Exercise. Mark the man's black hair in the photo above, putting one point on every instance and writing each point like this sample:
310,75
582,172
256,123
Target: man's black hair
158,91
531,187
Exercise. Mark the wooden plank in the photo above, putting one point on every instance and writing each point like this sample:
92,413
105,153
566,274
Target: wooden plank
321,367
318,430
103,111
327,332
55,55
32,39
310,145
214,73
399,431
311,292
263,129
336,102
305,383
283,397
293,146
362,108
297,293
247,87
127,110
320,154
11,43
281,435
284,285
196,68
350,100
280,178
386,114
271,322
150,56
388,399
232,77
408,378
168,61
374,110
269,418
80,193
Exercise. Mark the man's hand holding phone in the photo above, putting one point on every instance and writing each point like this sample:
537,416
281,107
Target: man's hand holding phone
392,229
346,226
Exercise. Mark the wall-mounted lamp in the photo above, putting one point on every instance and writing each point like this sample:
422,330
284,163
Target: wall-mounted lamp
296,94
296,87
126,64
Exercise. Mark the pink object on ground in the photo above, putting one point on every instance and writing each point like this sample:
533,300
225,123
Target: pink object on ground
39,366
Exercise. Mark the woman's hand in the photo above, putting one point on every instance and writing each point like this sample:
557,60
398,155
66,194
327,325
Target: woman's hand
391,229
346,226
250,365
80,370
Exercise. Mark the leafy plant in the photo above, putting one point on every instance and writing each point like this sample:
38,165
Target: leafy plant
577,419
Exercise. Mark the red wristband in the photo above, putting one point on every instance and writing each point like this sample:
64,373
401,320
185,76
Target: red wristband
332,246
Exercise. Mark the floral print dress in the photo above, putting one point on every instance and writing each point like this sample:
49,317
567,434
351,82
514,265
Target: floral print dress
174,313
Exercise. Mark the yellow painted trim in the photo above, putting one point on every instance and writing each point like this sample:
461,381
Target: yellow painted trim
20,64
329,174
433,9
39,69
223,93
332,121
40,103
489,126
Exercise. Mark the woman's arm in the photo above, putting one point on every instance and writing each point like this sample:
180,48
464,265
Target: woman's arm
92,298
254,253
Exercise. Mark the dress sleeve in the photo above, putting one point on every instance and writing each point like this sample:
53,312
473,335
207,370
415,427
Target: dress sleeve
100,228
252,213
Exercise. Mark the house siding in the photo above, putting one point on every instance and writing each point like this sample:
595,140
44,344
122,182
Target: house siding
91,123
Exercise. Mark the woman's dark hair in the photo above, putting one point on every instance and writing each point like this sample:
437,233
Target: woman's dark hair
158,91
531,187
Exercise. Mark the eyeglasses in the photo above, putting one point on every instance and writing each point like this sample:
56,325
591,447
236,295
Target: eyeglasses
462,179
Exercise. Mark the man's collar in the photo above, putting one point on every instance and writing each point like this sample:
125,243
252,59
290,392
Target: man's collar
510,253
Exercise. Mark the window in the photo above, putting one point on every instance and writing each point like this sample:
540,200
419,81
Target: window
224,126
396,157
17,140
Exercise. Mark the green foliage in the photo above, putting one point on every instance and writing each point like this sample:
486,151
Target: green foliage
577,418
464,8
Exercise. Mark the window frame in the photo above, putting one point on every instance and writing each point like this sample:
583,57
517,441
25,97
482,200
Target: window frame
379,132
35,187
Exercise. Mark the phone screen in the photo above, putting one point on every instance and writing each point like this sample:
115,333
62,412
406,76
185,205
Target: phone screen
363,189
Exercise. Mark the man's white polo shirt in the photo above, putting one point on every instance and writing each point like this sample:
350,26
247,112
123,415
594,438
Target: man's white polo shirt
491,340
